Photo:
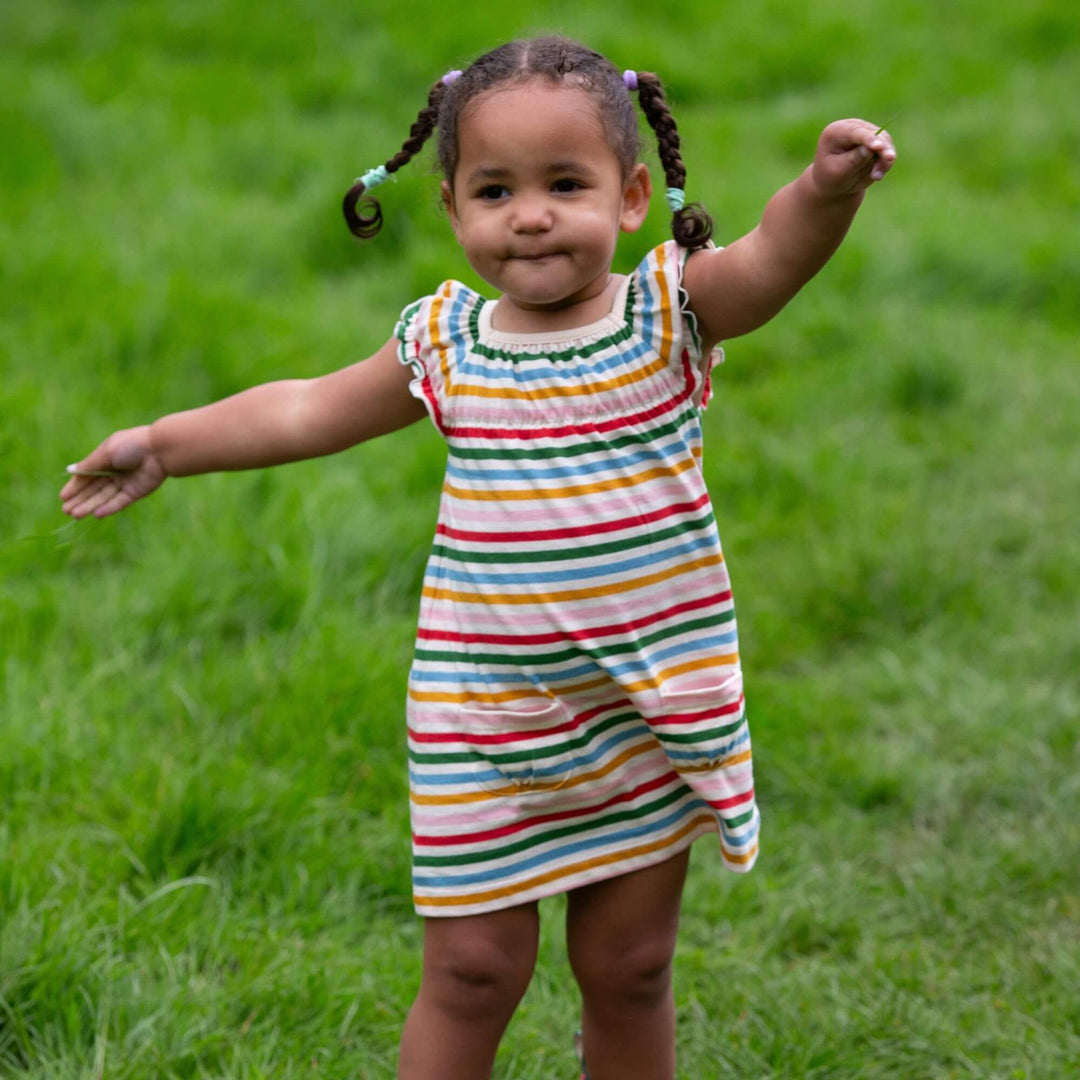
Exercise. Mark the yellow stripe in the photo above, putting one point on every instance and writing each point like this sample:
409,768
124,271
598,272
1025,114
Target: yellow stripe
680,669
566,871
666,337
505,695
571,594
576,688
745,857
574,491
726,763
572,390
646,746
433,332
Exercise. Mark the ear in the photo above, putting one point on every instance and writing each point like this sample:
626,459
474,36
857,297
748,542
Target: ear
635,202
451,209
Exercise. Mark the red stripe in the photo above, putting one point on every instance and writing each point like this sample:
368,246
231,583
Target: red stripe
574,530
544,819
429,393
587,633
578,429
497,739
735,800
703,714
514,736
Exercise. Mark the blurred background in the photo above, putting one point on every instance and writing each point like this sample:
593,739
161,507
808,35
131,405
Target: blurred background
204,846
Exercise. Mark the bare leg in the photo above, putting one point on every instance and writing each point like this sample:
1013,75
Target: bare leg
476,969
620,935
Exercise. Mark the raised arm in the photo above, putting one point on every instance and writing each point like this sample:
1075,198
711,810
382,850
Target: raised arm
269,424
738,288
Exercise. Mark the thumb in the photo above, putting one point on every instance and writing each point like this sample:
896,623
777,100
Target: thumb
122,451
128,451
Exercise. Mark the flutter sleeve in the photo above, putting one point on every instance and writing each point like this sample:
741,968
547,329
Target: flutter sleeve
415,351
662,317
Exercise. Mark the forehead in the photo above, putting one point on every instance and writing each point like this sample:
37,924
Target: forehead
530,122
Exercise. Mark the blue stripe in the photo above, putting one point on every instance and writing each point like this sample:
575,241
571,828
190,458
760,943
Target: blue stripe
717,752
498,776
444,573
514,371
605,840
676,450
553,673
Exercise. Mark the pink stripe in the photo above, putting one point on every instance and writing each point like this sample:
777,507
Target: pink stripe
626,626
487,835
578,430
482,813
466,513
575,530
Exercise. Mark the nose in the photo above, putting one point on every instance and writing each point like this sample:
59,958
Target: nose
532,213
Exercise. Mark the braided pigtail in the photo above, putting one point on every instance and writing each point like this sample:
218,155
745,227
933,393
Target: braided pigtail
691,224
366,222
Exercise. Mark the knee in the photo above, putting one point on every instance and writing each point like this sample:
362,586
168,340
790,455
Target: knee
471,974
635,973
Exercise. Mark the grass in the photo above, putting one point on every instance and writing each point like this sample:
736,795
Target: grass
204,865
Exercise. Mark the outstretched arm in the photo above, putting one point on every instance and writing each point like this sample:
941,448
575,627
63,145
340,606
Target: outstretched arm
738,288
266,425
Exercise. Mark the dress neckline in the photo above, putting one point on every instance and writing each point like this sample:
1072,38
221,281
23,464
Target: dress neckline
612,321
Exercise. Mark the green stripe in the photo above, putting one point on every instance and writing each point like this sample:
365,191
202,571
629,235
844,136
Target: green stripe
406,317
573,652
636,438
486,854
692,737
740,819
609,547
463,757
573,353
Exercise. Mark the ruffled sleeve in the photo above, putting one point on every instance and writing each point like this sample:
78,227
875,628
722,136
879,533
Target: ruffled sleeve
433,335
662,317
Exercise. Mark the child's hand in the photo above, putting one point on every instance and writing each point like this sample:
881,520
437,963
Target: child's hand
120,471
851,155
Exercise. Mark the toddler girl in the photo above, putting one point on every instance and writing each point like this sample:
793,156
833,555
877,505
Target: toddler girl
575,708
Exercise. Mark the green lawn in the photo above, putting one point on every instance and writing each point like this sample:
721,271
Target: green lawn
204,854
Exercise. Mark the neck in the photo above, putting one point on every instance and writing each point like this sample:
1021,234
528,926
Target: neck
513,317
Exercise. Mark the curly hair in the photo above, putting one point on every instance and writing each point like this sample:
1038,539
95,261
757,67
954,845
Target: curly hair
562,61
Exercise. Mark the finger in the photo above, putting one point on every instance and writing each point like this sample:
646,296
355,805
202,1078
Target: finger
118,501
843,135
78,489
80,480
89,498
884,155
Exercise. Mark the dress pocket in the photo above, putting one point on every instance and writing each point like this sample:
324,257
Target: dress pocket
520,749
704,727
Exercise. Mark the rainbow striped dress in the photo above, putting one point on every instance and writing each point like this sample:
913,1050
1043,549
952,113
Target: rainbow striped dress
575,706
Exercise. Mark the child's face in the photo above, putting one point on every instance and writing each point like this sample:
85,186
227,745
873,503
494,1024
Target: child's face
538,198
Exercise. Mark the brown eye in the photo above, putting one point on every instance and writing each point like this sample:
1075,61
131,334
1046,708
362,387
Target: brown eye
493,192
566,186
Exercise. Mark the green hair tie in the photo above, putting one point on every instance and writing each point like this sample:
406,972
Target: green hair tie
676,198
374,177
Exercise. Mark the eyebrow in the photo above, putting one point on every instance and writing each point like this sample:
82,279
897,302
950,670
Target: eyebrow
487,172
500,172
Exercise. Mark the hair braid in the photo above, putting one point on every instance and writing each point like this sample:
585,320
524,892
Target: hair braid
691,226
366,224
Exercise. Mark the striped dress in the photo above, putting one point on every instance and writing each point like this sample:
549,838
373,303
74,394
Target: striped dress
575,706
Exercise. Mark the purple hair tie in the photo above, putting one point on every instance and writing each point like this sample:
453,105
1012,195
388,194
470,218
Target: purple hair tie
451,76
630,78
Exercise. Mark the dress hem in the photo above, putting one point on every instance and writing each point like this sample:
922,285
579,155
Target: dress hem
573,881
